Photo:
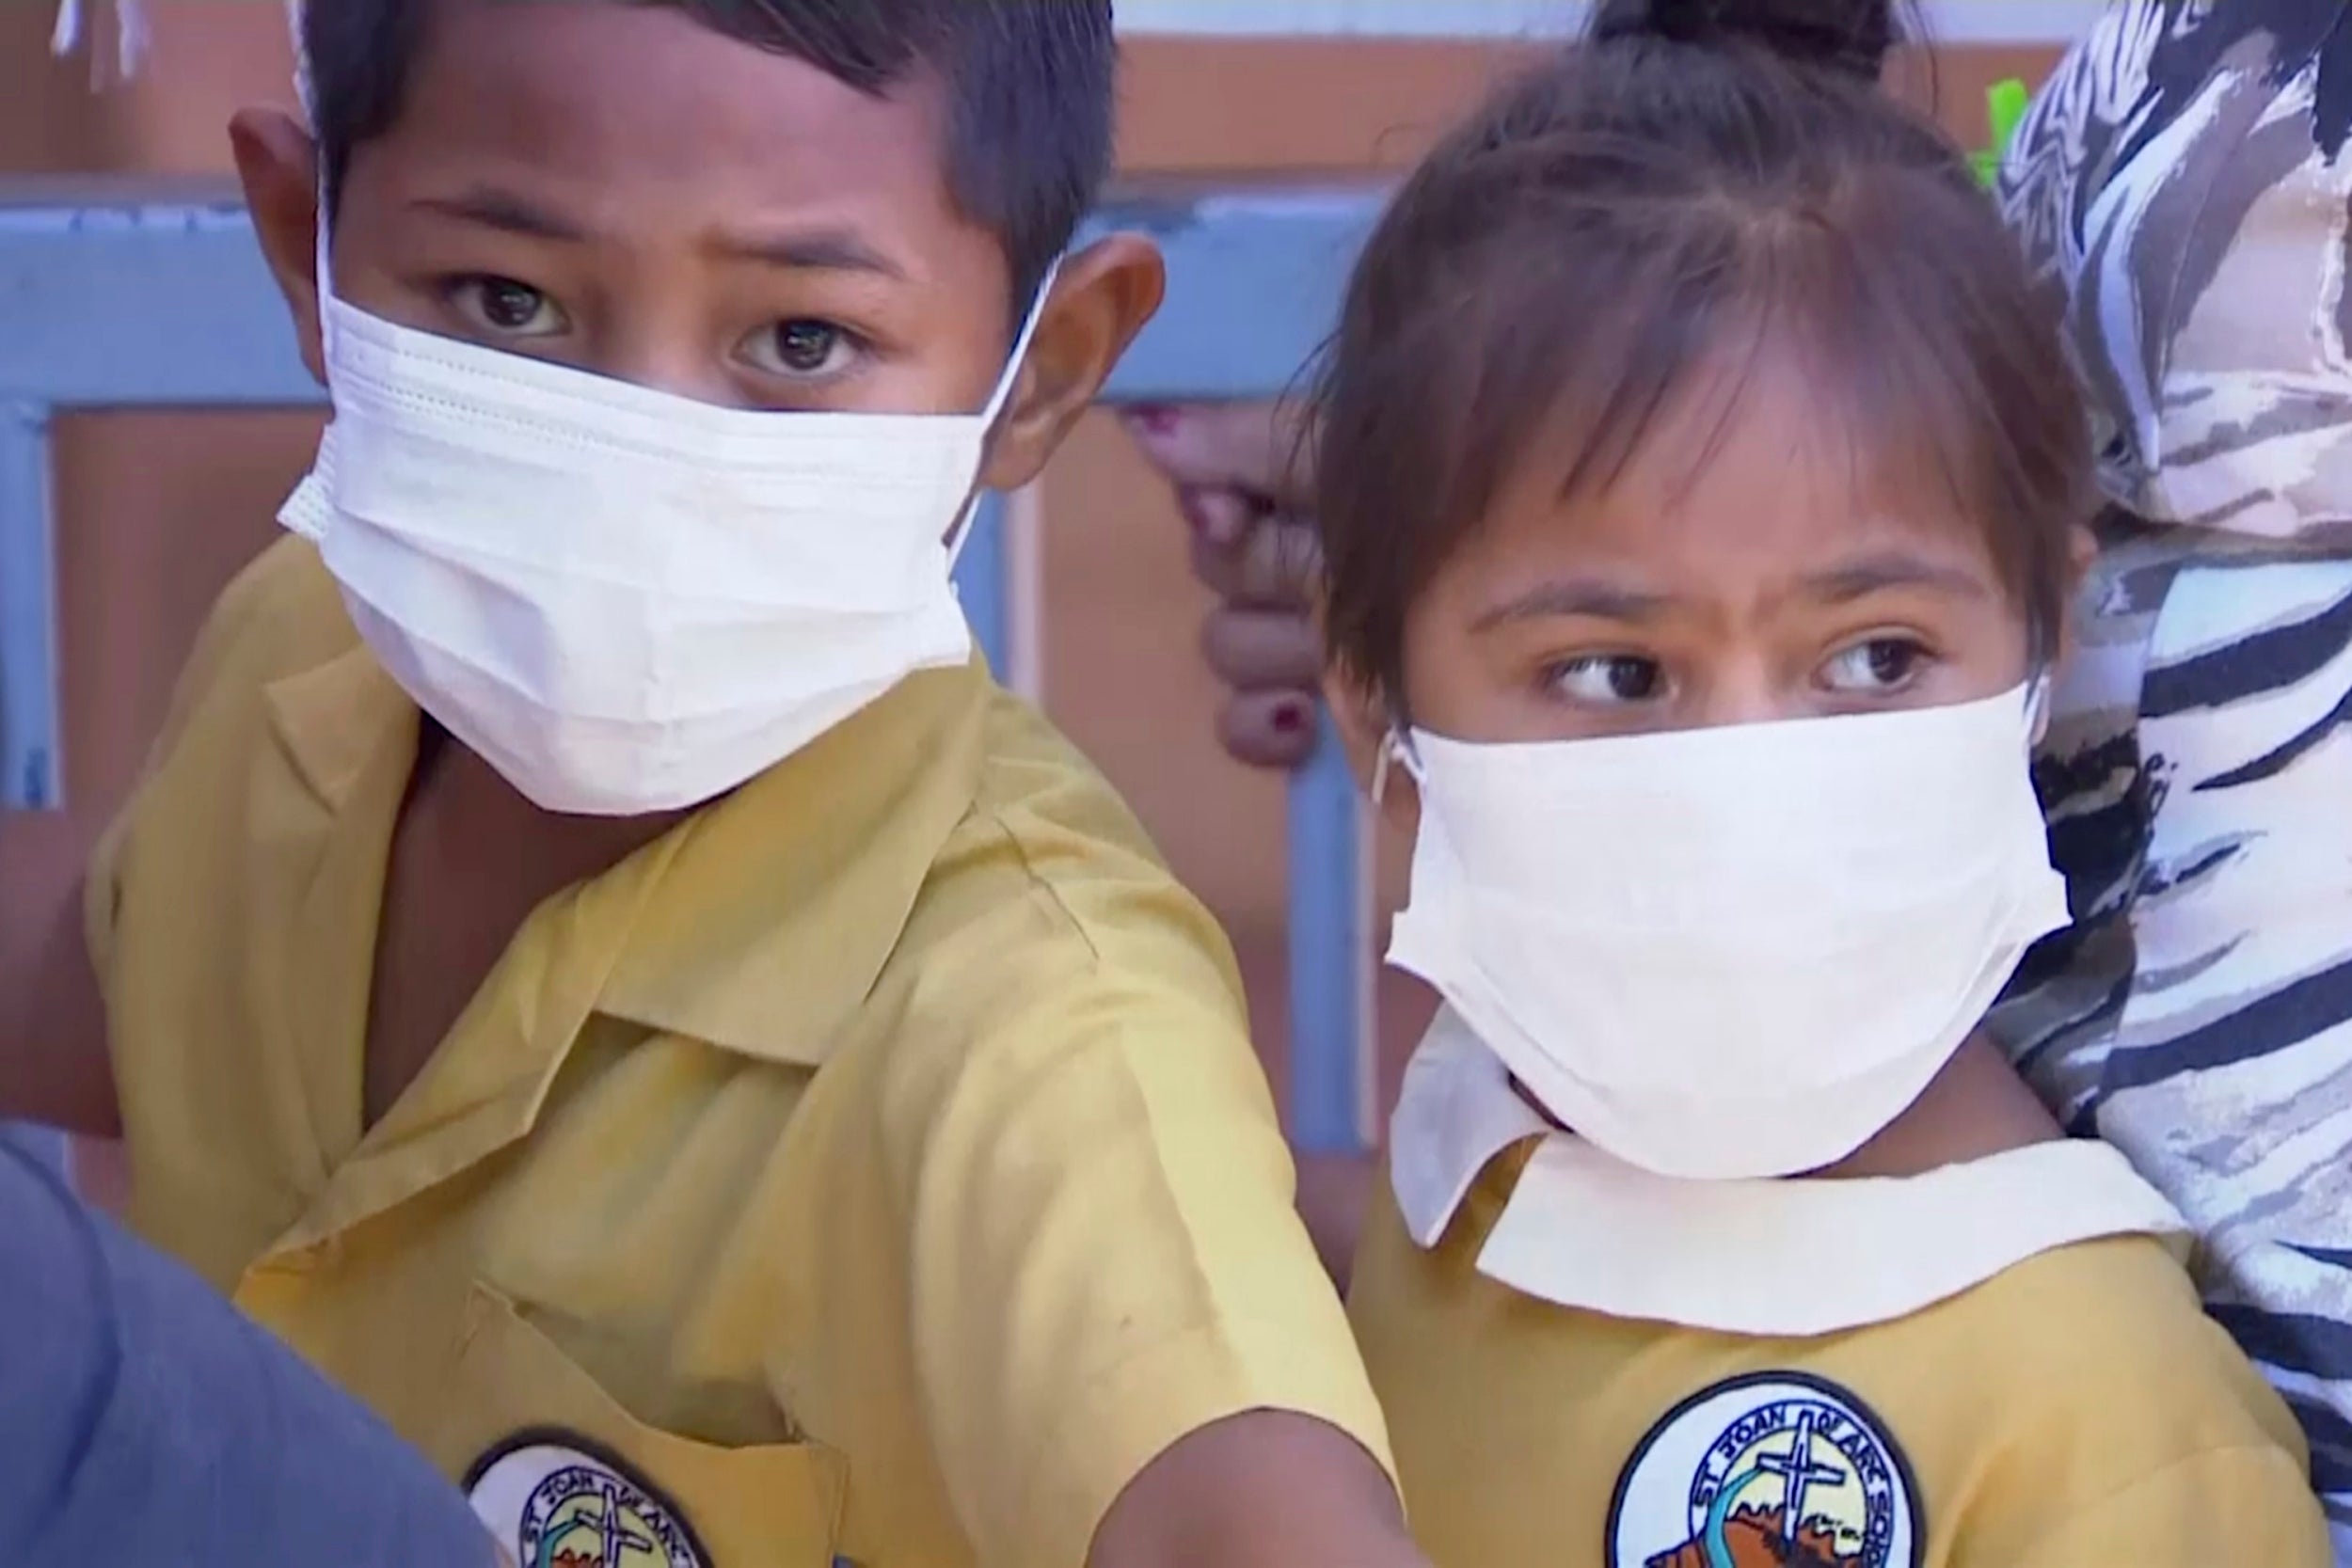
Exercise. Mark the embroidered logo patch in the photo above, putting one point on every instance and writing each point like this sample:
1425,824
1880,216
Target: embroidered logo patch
1777,1471
554,1501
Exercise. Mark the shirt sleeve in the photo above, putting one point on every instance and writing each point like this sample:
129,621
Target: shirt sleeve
1075,1144
2234,1505
142,1421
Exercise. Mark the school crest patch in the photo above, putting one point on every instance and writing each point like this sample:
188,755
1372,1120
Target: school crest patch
1777,1471
554,1501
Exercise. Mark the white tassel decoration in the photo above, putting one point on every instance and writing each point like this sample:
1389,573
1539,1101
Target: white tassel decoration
131,33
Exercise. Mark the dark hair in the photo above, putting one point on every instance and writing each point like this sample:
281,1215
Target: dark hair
1029,83
1699,180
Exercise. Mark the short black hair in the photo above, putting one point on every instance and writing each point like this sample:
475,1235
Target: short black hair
1030,87
1697,180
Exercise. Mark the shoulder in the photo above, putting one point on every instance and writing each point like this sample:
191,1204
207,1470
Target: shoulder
2120,1407
1049,860
2241,1503
281,615
2108,1342
1049,945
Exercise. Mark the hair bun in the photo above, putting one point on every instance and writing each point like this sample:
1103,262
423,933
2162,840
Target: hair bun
1850,36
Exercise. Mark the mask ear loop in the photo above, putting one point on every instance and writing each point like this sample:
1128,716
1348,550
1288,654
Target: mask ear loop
1396,755
307,95
959,535
2038,709
322,285
306,512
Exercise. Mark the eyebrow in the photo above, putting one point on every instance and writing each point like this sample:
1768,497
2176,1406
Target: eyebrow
1872,574
824,249
486,207
1855,580
1574,596
811,250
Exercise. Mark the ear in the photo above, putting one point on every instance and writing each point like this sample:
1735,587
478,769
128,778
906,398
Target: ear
1102,298
1361,715
2082,553
277,161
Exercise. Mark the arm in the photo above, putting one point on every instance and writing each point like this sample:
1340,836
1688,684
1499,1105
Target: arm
1055,1152
142,1421
55,1066
52,1026
1110,1228
1258,1489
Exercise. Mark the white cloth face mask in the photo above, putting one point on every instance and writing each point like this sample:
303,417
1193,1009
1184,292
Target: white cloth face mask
1734,951
625,600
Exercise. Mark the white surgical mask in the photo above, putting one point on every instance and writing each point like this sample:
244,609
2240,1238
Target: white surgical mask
1731,952
625,600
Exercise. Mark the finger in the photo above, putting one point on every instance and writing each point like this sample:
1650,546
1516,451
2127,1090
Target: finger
1218,567
1268,651
1268,731
1219,517
1253,447
1273,566
1281,560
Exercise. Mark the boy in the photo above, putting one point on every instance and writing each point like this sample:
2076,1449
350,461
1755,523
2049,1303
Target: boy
724,1080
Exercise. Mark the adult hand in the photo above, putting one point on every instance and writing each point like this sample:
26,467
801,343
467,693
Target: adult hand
1254,546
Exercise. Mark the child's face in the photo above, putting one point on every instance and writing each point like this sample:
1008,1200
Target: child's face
621,189
1748,583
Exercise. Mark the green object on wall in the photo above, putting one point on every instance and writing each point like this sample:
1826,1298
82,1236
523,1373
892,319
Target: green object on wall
2004,106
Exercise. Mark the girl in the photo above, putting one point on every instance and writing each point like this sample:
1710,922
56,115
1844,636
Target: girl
1700,472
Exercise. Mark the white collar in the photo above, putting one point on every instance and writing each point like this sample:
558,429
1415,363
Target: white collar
1786,1258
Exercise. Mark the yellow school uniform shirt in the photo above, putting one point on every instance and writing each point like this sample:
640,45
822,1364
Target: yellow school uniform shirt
874,1167
2071,1409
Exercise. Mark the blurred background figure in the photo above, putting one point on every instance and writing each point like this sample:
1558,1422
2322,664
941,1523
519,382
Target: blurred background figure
2183,179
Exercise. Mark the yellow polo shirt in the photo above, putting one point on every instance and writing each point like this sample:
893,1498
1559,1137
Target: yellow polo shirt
875,1168
2071,1409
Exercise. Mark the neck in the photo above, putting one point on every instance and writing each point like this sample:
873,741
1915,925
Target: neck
474,805
1975,1108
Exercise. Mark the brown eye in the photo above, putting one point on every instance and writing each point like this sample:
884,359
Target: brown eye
1609,679
504,308
804,350
807,347
1880,665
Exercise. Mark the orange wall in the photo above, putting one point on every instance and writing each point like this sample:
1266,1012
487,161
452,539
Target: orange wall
156,511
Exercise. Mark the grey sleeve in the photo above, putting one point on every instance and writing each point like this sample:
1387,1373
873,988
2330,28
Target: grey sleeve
144,1421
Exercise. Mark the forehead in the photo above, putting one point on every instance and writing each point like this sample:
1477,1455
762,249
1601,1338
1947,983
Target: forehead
1749,479
644,119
